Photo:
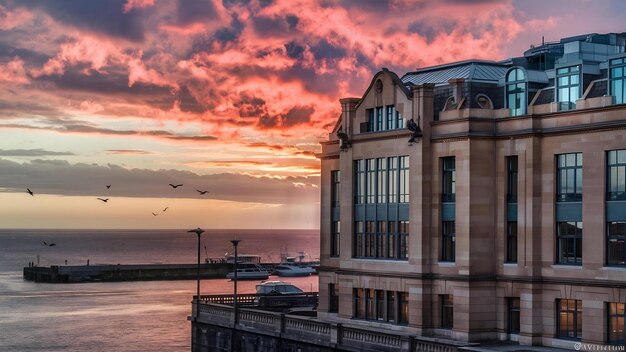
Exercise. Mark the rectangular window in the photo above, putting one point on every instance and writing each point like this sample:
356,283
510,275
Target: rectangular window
381,167
616,243
369,304
618,80
448,239
616,175
403,308
391,306
569,176
370,239
568,87
511,242
514,315
449,180
393,242
370,120
358,303
403,239
333,298
381,239
392,164
570,243
403,196
335,238
379,119
616,324
334,189
380,305
447,311
359,181
371,181
569,319
400,120
359,240
391,117
511,179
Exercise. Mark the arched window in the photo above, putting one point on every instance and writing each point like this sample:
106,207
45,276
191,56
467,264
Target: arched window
516,91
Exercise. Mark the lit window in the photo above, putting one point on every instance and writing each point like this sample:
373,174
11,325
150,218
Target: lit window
616,324
570,319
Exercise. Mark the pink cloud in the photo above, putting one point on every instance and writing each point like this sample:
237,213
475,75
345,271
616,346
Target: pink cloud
137,4
12,19
13,72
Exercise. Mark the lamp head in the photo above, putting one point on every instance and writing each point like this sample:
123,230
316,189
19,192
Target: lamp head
235,242
197,231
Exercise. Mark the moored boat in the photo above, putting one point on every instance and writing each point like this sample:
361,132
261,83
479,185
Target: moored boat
249,271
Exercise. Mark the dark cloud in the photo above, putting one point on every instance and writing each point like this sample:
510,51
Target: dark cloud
272,26
232,32
294,50
325,50
128,151
106,17
431,28
30,57
194,11
59,177
31,152
295,116
250,106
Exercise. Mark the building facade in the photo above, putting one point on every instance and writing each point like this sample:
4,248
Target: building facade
504,217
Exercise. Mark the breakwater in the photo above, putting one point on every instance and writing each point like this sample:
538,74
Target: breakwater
136,272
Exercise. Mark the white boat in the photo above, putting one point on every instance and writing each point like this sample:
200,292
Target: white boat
293,270
277,288
249,271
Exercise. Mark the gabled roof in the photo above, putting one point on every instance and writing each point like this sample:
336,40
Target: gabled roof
470,70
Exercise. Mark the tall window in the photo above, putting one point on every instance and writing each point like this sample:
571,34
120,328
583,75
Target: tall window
516,92
618,80
359,181
359,239
511,242
449,180
381,239
380,305
511,179
370,304
335,238
403,308
570,242
569,176
616,243
568,87
333,298
379,119
399,120
358,303
403,194
335,190
391,118
392,164
616,175
569,318
616,324
381,180
371,181
391,306
514,314
448,239
447,311
371,120
403,239
370,239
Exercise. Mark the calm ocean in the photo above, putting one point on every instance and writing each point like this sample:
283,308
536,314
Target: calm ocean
120,316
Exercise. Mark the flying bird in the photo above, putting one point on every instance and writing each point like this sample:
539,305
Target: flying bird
108,186
104,199
176,186
202,192
29,191
155,214
166,208
49,245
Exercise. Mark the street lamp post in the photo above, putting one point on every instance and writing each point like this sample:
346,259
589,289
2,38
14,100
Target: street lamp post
235,243
198,232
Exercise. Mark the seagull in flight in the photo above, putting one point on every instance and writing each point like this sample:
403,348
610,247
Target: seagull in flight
29,191
166,208
108,186
104,199
202,192
155,214
49,245
175,186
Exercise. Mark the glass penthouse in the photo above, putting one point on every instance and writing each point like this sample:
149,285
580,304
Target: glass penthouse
504,219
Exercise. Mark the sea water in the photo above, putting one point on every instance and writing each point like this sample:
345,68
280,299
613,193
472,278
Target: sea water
121,316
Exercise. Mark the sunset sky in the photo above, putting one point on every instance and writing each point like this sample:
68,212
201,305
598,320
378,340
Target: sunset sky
227,96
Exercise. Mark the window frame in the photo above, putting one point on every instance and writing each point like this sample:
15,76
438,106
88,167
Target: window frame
617,65
517,87
609,314
576,313
563,166
568,73
576,238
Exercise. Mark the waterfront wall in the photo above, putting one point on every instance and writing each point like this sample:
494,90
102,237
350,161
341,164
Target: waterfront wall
214,329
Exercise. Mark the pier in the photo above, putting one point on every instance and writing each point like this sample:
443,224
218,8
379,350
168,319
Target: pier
129,272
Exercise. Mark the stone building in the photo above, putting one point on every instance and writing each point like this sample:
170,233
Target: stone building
504,217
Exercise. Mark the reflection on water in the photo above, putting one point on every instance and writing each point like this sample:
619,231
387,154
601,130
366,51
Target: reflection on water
124,316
